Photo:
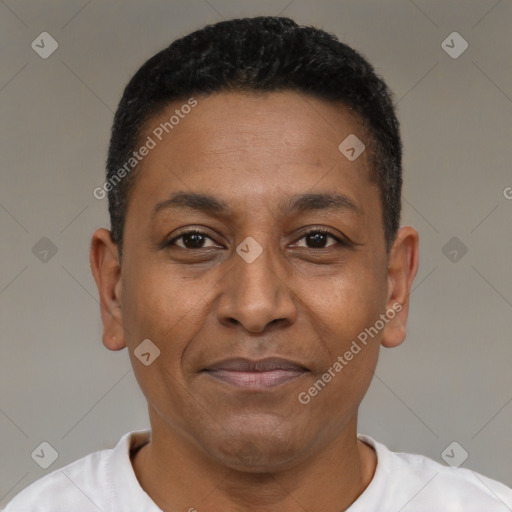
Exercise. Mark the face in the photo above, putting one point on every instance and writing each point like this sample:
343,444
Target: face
253,257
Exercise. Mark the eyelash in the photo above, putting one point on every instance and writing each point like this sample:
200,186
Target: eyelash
171,242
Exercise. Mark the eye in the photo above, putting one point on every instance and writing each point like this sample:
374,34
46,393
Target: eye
317,239
192,239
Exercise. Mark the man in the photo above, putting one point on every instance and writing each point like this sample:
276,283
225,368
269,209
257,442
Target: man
254,266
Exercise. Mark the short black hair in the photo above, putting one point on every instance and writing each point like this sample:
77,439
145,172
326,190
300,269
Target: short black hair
259,54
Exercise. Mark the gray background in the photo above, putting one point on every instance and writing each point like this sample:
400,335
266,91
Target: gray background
451,379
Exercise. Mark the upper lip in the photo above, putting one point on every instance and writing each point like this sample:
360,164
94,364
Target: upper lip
240,364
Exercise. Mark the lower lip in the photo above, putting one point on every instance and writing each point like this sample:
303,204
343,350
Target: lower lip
255,380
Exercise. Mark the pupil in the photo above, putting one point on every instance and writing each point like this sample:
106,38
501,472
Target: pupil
318,239
196,238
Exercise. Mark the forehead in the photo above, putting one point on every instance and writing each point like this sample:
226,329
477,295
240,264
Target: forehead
282,121
244,145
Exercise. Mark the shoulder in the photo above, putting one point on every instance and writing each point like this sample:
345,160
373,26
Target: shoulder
68,486
83,485
418,483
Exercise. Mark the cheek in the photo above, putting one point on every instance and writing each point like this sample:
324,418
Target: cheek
346,311
351,354
165,308
347,304
150,308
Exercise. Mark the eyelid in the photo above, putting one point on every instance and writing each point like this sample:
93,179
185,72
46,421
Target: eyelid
342,240
325,231
190,231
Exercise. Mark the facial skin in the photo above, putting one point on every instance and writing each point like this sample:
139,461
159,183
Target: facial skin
238,448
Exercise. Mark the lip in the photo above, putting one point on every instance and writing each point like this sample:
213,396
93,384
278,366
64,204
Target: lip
256,375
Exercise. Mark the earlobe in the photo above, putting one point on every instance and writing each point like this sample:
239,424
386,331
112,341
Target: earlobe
394,333
402,269
106,270
113,335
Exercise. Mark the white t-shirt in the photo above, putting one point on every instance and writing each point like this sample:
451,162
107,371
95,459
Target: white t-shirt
105,481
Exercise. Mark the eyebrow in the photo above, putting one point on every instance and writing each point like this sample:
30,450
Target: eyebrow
300,203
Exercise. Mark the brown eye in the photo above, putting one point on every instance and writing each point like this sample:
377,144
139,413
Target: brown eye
190,240
317,239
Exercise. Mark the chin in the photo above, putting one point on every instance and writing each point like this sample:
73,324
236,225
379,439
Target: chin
257,453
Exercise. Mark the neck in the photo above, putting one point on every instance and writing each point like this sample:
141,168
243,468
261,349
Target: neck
179,476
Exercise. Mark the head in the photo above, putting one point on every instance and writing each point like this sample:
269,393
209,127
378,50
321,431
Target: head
295,248
258,55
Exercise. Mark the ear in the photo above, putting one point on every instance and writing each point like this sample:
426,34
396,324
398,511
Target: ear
402,268
106,269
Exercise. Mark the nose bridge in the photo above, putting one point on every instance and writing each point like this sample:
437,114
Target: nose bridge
255,292
256,266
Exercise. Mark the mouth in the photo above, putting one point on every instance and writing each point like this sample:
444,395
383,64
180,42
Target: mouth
256,375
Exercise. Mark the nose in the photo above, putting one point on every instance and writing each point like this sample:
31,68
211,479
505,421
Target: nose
256,294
